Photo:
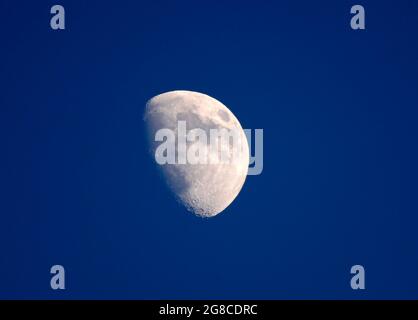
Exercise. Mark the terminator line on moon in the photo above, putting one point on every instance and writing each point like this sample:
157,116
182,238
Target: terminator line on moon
204,189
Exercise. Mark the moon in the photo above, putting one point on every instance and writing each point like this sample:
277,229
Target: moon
205,189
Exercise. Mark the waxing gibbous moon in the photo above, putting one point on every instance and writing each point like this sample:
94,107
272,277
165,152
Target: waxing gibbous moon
204,189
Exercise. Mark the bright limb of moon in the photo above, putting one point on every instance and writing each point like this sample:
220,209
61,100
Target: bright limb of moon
204,189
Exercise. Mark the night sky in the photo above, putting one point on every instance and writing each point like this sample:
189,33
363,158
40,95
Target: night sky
339,109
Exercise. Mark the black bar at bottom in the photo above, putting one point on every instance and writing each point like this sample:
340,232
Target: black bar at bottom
208,309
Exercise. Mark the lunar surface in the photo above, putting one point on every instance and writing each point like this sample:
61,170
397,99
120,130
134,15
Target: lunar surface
204,189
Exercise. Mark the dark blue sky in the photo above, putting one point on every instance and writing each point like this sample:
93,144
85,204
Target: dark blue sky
339,113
